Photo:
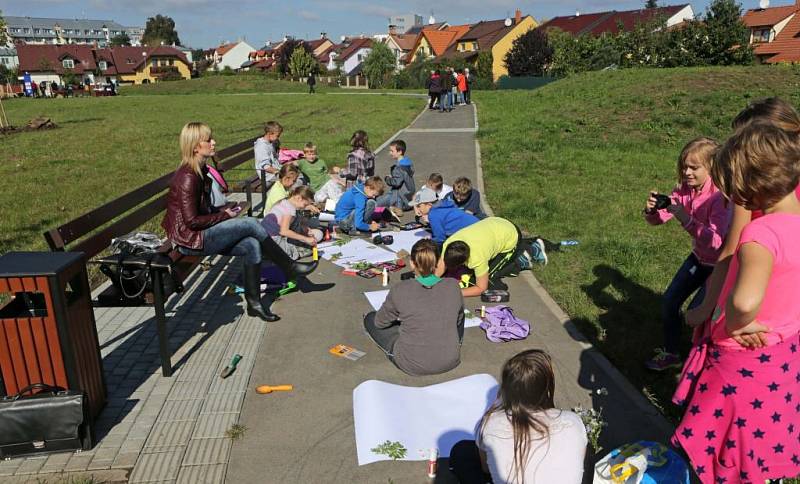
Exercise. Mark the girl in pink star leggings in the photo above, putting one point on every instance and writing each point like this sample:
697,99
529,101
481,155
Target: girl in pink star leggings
741,383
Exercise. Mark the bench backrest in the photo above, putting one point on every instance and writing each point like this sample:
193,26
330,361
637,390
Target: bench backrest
126,212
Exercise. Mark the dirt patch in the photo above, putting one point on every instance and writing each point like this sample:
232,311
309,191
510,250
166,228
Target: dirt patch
36,124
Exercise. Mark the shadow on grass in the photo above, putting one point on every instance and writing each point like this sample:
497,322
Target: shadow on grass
82,120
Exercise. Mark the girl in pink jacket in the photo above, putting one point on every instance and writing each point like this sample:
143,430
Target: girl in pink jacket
702,211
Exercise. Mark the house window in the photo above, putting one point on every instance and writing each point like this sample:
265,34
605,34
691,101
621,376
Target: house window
103,65
5,61
474,46
68,63
761,35
35,31
360,57
155,63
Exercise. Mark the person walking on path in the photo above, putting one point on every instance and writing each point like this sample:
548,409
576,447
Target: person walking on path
468,84
434,86
446,94
311,81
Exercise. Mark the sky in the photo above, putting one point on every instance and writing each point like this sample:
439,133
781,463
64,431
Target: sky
207,23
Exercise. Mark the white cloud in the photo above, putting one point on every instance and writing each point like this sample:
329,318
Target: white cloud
308,15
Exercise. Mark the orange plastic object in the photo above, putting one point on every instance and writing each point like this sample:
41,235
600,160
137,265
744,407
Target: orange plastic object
263,389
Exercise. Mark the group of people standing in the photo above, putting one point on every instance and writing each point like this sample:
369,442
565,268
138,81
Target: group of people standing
448,87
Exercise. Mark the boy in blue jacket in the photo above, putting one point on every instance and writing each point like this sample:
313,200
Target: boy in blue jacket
354,210
444,217
466,198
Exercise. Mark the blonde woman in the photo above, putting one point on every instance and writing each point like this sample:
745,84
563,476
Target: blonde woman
196,227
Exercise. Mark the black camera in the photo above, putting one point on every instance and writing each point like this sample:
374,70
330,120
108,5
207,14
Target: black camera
662,201
383,239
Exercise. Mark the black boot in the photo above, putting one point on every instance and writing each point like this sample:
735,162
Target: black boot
291,269
252,293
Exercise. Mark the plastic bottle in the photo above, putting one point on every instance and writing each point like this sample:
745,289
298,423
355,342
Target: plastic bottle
385,277
433,462
569,242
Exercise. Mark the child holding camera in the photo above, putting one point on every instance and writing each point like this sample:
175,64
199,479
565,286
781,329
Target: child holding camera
701,210
740,381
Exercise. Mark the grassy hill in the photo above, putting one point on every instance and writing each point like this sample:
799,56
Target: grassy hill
576,159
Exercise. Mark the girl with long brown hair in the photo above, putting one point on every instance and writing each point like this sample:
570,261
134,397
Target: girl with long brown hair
523,438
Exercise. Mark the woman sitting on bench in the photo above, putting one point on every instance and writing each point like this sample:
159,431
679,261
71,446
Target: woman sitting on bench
195,227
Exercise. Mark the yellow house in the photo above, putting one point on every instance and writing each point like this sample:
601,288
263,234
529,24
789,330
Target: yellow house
495,36
143,65
432,43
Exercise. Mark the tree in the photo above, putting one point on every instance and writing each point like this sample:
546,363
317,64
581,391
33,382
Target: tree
530,54
120,40
3,33
379,65
160,30
728,37
483,66
301,63
651,4
287,49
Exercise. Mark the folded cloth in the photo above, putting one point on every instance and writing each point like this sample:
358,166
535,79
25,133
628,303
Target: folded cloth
286,155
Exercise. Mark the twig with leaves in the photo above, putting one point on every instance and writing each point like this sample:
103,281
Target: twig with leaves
594,423
394,450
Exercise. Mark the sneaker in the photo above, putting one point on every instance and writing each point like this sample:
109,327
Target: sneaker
524,261
396,211
537,252
663,361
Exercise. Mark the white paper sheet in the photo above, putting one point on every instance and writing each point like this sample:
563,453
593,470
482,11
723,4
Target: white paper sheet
405,239
376,299
357,250
420,418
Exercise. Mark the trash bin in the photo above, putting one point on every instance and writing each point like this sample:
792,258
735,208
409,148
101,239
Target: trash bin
47,327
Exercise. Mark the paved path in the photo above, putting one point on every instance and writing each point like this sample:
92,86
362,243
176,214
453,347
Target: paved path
307,435
157,429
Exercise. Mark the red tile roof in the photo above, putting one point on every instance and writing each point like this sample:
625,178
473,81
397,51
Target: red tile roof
785,47
33,57
224,48
354,47
127,60
404,41
608,22
762,17
486,33
314,44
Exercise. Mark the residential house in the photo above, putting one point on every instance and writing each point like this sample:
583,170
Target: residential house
596,24
495,36
59,31
400,45
775,33
144,65
125,65
353,55
8,57
319,46
231,55
432,43
48,63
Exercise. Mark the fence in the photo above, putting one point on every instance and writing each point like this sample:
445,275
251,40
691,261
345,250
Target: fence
352,82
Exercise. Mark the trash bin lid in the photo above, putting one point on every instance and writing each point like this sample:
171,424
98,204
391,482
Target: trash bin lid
19,264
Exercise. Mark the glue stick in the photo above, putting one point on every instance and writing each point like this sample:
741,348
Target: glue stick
483,311
385,277
432,463
314,253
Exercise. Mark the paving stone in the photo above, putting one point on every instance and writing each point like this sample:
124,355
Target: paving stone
180,410
9,467
125,460
132,445
166,434
207,451
56,462
214,425
213,474
140,431
235,383
78,462
157,467
223,402
30,465
187,390
197,373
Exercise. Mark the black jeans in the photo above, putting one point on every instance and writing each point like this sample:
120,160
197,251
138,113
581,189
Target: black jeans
690,277
383,337
434,99
505,264
467,96
465,463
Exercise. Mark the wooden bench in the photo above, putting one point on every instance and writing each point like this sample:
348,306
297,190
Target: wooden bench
92,233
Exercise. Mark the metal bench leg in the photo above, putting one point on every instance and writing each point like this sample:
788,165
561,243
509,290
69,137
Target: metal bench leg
248,190
263,192
161,322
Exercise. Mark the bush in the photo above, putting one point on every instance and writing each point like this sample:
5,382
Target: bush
227,71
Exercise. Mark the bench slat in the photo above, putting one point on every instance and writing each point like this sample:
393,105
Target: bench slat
101,240
233,149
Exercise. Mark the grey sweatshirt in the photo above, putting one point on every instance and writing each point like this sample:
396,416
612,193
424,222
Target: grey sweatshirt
429,317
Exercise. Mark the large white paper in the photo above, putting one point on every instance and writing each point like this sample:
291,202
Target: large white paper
376,299
420,418
357,250
405,240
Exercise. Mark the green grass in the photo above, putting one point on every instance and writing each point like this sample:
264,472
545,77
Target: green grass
219,84
575,160
106,147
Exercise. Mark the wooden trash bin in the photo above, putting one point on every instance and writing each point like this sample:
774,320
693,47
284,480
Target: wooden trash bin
47,326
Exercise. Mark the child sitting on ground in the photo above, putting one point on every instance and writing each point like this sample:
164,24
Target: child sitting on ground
325,185
443,217
287,177
360,161
702,212
740,383
354,210
266,150
436,183
466,198
278,224
401,179
421,324
523,437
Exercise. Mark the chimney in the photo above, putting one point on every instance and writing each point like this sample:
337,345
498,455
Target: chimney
518,16
393,28
324,35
